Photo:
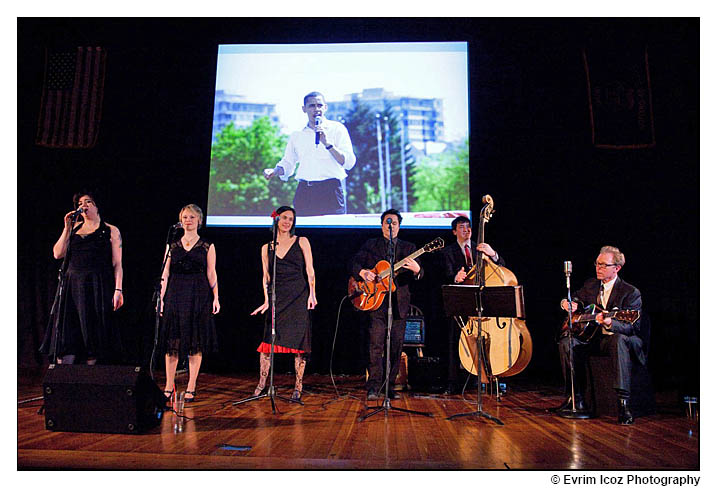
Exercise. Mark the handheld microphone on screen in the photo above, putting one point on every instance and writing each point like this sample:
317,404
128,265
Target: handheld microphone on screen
317,121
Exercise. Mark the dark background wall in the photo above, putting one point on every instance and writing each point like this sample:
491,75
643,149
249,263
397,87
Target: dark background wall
557,197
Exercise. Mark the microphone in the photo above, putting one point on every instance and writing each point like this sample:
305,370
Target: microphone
317,121
389,220
567,269
77,212
177,225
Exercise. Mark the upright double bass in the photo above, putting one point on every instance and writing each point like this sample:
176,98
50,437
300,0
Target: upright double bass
507,341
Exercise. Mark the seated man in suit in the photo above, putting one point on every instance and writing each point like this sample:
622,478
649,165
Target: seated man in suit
617,339
458,260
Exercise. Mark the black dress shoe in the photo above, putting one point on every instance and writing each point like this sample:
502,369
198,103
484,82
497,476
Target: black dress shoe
624,414
372,395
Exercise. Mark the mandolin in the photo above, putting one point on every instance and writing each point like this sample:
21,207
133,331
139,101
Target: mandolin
368,296
584,325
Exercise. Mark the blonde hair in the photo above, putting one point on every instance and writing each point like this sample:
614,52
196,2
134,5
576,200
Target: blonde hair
194,208
618,257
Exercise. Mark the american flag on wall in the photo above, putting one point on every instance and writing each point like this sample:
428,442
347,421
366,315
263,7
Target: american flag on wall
71,106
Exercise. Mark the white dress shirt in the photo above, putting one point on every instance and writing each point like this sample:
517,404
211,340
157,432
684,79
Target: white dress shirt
313,162
607,288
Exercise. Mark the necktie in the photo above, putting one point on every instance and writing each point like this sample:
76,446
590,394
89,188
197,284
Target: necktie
600,297
467,252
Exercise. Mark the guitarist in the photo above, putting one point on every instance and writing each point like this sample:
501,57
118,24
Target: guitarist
458,259
373,251
616,339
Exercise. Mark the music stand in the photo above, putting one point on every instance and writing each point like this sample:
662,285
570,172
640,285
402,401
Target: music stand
481,301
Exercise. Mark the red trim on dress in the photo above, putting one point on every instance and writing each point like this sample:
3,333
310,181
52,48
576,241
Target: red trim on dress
266,347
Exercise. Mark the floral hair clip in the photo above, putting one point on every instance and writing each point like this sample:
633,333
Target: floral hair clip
274,214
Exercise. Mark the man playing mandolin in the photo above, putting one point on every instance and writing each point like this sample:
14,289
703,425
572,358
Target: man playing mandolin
615,338
363,267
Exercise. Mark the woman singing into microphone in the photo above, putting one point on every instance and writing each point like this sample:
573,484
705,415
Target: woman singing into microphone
93,288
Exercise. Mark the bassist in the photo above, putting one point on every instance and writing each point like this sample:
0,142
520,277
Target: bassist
617,339
458,260
373,251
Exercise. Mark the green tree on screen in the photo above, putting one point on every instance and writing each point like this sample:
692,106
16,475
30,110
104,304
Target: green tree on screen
239,155
441,182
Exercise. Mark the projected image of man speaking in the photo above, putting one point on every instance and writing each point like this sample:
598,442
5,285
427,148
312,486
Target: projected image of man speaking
321,153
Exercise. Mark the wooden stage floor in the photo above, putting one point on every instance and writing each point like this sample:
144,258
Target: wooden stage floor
326,434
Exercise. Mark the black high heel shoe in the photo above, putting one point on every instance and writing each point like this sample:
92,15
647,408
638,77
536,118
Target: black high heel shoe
169,395
190,399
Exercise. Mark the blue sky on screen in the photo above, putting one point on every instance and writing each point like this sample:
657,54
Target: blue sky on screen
283,74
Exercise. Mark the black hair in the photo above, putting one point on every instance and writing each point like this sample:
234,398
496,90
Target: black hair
455,223
391,211
76,198
313,94
286,208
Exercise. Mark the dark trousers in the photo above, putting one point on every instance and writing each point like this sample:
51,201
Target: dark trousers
615,346
377,346
319,198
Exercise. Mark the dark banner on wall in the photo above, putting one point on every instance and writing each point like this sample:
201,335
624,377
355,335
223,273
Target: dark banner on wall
619,98
71,106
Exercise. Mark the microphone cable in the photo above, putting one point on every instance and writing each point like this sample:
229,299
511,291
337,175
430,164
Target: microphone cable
331,357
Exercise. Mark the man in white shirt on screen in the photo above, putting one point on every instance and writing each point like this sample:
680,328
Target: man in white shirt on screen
323,152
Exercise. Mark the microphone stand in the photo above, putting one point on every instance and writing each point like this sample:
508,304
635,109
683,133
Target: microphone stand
386,406
58,304
157,299
271,392
574,413
480,265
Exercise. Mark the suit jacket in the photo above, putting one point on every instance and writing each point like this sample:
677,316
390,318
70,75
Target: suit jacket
623,296
375,250
454,259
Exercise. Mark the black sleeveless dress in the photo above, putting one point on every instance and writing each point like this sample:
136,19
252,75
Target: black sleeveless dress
292,321
85,327
187,323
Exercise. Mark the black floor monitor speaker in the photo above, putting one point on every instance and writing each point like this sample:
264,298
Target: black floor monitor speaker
425,374
101,399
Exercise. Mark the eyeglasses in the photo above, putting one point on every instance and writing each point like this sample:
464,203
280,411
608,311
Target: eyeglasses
603,266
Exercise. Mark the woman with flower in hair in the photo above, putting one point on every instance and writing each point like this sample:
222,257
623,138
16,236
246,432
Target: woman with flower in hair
295,296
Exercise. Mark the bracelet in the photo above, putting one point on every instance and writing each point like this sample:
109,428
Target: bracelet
118,290
329,147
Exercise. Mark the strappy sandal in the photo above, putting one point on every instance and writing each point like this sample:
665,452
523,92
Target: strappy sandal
169,395
190,399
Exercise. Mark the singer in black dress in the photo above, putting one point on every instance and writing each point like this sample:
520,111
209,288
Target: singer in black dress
190,296
295,289
93,288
